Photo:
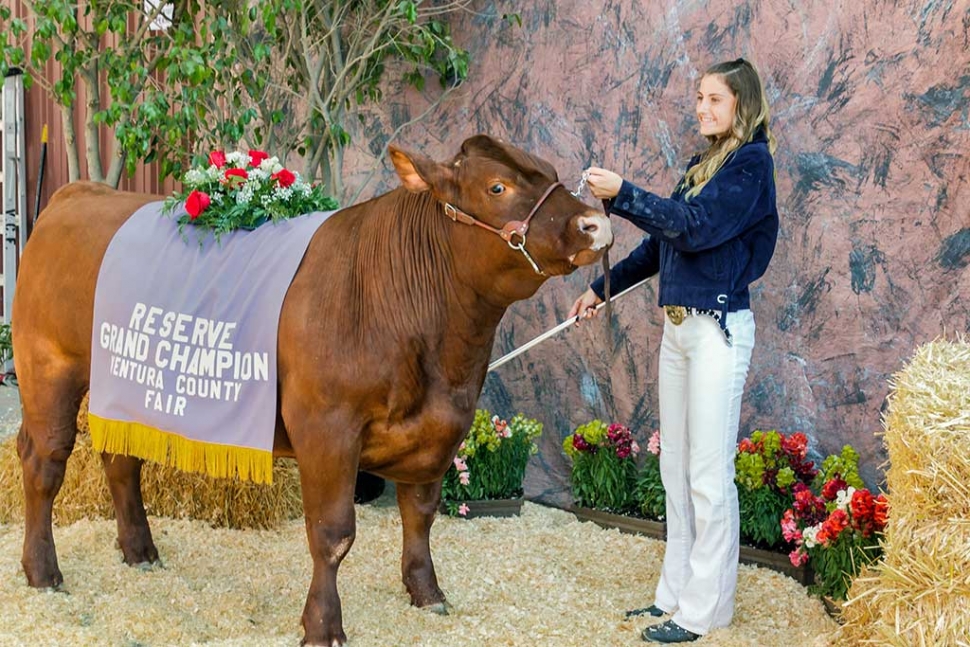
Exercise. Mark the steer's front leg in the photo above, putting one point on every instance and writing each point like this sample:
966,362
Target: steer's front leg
328,473
418,505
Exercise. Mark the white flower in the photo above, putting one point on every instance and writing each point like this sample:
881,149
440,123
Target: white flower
843,498
270,165
809,535
237,159
195,177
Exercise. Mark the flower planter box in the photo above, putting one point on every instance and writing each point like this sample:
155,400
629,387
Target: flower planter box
658,530
630,525
777,562
490,508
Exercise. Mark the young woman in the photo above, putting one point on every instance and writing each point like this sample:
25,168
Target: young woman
712,238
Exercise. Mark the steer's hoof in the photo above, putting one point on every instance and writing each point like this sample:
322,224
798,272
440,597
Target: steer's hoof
57,588
441,608
147,567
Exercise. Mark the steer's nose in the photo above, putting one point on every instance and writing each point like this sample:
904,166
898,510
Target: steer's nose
598,228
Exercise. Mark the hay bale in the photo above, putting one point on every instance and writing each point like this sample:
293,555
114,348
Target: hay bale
920,593
167,492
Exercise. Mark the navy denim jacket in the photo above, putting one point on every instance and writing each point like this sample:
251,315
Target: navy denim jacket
707,249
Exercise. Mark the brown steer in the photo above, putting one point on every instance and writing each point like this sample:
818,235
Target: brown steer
384,341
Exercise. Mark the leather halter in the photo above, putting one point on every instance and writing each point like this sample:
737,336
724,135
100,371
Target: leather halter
511,229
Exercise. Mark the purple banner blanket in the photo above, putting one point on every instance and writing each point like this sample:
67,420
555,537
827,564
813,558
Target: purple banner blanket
183,362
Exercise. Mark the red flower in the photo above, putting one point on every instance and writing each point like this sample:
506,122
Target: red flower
196,203
831,489
255,157
832,527
880,512
795,445
284,177
217,159
236,173
746,446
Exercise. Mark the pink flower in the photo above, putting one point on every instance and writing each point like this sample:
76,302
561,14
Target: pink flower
797,557
460,464
464,477
196,203
217,159
463,509
653,445
789,527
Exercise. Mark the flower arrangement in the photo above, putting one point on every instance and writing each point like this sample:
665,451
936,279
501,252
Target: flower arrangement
243,191
604,469
650,493
491,461
767,467
838,531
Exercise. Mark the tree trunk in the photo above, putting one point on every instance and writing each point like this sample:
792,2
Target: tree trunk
70,143
92,141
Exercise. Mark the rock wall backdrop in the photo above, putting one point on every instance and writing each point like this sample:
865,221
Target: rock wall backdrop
871,108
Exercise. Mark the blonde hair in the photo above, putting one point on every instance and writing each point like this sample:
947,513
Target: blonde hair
750,114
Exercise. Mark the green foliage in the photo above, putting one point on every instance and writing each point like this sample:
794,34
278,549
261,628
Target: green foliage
650,494
761,510
844,464
283,75
491,461
837,564
604,470
6,344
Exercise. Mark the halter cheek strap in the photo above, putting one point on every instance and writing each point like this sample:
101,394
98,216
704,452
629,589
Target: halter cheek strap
511,229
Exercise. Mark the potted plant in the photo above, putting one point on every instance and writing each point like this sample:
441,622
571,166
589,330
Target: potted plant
838,530
486,477
608,487
767,466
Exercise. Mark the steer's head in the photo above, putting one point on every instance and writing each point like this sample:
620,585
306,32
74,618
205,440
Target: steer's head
499,185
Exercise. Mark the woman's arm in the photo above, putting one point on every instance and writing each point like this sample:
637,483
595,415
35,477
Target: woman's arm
725,207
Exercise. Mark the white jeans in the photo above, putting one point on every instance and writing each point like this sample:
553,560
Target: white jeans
701,381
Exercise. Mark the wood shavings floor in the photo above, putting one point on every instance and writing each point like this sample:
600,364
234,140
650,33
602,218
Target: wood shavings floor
540,579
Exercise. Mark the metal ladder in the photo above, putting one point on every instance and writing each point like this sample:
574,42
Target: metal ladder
14,178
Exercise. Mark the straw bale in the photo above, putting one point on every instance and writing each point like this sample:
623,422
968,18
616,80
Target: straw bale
166,491
920,593
539,580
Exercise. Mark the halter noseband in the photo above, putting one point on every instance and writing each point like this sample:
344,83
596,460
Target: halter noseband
512,228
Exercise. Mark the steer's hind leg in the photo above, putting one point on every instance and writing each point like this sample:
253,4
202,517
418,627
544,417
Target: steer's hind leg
51,400
418,505
134,535
327,456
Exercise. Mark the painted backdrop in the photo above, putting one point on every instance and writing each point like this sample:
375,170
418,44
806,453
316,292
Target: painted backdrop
871,107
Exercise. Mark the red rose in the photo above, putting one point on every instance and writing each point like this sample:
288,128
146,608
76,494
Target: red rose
196,203
217,159
256,157
236,173
284,178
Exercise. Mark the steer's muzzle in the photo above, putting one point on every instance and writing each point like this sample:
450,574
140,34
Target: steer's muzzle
596,227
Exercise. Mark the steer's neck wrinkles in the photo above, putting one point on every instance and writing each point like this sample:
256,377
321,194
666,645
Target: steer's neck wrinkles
451,278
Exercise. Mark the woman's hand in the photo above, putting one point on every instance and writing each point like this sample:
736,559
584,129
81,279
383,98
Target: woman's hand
603,184
585,306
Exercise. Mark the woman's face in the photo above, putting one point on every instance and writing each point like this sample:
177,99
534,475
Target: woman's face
715,106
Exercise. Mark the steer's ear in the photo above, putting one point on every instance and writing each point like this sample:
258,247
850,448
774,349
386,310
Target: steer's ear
417,172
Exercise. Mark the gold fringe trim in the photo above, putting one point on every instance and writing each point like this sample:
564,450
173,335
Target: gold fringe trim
173,450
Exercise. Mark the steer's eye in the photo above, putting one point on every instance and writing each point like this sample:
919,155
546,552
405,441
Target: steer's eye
497,189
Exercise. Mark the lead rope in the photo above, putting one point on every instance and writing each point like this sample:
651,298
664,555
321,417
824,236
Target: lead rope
606,285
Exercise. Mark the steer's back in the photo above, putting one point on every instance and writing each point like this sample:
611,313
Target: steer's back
54,301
